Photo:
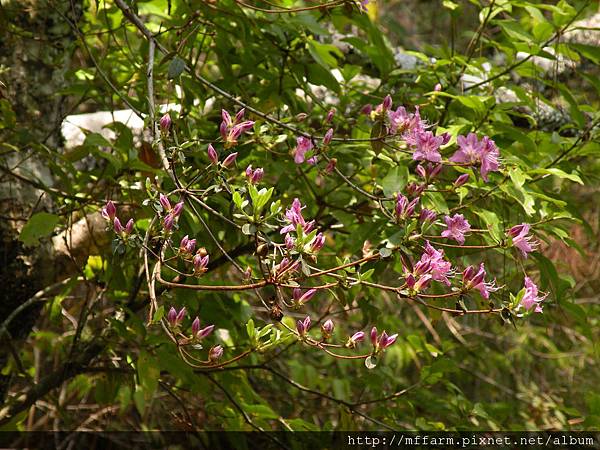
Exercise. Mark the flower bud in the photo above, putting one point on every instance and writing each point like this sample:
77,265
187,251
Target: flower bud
172,316
117,226
437,87
240,115
421,171
230,159
367,109
301,117
129,226
374,336
212,154
461,180
223,130
327,329
427,215
330,115
387,102
165,123
317,243
177,209
226,118
359,336
290,242
168,222
331,165
435,171
215,353
328,136
109,211
257,175
303,326
164,202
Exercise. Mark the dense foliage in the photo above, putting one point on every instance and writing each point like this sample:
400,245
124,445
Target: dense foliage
318,229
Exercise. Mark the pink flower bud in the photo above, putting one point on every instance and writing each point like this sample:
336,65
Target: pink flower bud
359,336
181,315
164,202
172,317
421,171
427,215
223,130
117,226
374,336
327,328
257,175
367,109
435,171
290,243
168,222
437,87
331,165
461,180
330,115
387,102
109,211
226,118
303,326
177,209
191,245
328,136
215,353
212,154
240,115
230,159
307,296
318,242
165,123
129,226
195,326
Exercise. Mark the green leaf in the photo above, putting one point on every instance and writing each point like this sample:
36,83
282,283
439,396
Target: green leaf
395,180
40,225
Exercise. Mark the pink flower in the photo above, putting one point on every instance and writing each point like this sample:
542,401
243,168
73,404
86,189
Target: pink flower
357,337
200,263
521,239
230,159
472,280
303,145
474,152
294,217
317,243
330,115
531,299
457,227
427,147
439,268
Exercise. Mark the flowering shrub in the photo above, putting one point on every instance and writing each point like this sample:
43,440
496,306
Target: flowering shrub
293,220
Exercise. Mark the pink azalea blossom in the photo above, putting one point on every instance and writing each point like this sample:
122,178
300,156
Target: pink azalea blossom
303,145
531,299
457,227
472,280
521,239
482,153
427,147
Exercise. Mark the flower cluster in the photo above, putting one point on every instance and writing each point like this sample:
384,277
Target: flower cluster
109,213
475,152
172,213
232,129
476,280
431,267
